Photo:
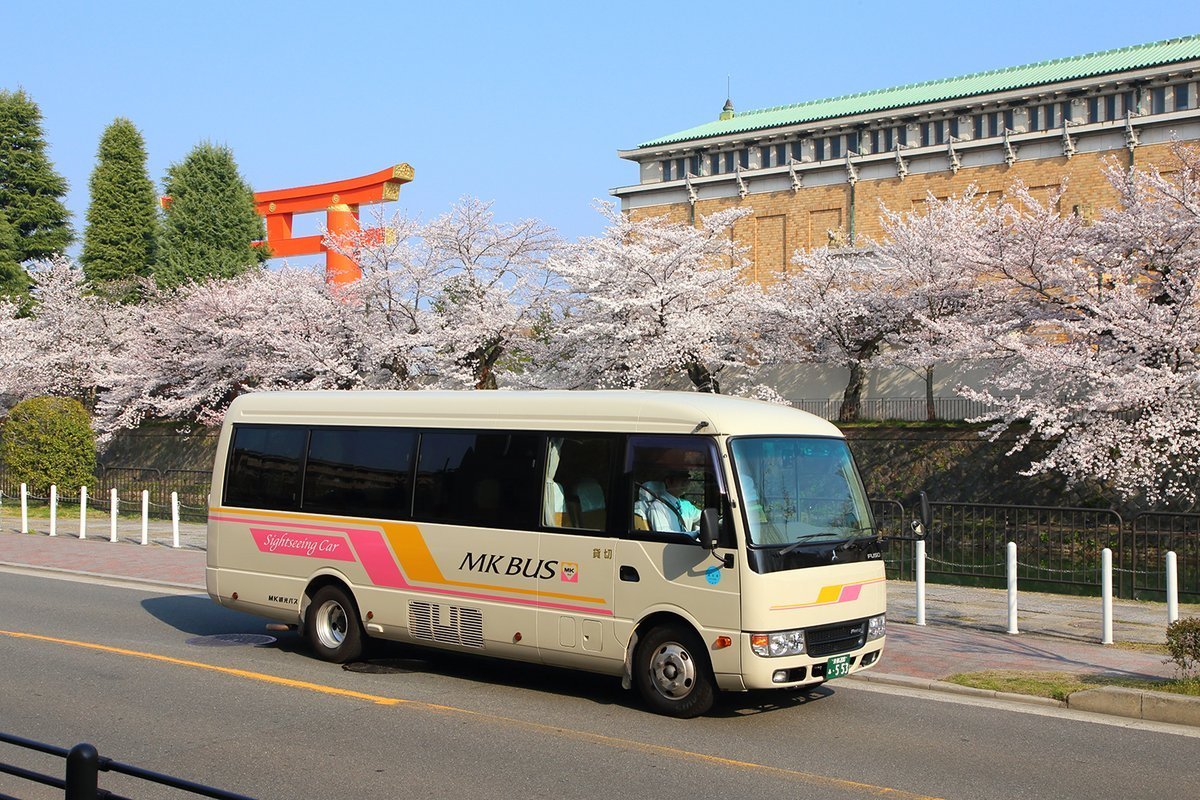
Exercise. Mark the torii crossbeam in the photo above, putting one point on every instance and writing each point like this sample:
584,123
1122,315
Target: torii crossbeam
340,200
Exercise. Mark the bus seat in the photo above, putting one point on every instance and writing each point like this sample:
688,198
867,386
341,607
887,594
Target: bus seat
592,512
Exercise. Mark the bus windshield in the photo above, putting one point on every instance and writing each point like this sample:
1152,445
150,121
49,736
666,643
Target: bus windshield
797,490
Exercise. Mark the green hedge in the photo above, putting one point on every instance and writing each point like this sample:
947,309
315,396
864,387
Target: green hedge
49,440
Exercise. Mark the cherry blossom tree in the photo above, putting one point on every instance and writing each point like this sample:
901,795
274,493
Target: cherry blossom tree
1095,331
926,252
66,344
838,307
451,302
204,343
649,299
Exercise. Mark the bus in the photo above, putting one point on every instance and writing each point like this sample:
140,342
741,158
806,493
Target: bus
686,543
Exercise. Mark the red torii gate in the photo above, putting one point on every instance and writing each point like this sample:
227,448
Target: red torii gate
340,200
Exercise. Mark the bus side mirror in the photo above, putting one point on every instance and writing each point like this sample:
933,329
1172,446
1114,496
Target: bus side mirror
710,528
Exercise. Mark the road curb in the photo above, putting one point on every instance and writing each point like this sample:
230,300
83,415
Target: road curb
1143,704
149,583
908,682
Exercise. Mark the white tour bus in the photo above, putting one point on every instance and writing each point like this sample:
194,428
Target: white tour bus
686,542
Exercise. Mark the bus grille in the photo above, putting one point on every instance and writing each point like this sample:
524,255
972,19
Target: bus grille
445,624
836,638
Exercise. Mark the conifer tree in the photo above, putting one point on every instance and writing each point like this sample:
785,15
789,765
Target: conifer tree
31,192
14,281
120,241
210,219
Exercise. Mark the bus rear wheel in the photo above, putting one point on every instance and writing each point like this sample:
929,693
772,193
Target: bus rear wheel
672,672
333,627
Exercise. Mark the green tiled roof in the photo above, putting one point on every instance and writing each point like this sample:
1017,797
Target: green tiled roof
999,80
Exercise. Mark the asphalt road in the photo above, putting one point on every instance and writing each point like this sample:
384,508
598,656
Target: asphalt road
140,675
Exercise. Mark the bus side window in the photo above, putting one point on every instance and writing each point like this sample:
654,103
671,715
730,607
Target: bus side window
673,479
578,473
264,466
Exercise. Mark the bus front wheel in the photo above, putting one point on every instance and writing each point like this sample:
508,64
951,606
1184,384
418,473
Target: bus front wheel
333,627
672,672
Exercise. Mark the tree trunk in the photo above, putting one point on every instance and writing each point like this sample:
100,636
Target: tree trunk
930,409
702,378
852,397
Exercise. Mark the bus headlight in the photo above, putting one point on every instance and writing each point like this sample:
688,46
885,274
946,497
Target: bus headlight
876,627
781,643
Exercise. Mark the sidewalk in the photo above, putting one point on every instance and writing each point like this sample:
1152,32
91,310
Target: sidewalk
965,631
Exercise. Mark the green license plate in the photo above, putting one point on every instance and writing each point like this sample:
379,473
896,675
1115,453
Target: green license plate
837,666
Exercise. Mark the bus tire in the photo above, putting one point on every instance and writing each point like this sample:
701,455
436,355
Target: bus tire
672,672
333,627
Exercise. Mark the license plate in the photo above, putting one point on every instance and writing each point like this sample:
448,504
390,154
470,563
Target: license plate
837,666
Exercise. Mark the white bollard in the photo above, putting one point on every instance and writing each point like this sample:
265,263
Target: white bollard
1172,588
175,519
1106,596
82,512
145,517
24,508
1011,569
113,505
53,510
920,557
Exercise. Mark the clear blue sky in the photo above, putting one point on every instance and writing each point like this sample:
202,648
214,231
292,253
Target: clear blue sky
523,103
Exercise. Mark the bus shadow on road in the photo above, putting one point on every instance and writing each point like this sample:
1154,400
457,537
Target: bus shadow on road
200,616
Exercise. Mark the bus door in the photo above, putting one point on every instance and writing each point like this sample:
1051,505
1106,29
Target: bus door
661,565
575,587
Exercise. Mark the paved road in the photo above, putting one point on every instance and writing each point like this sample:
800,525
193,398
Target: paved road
134,672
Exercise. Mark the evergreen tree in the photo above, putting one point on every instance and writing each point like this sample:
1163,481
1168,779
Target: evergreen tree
120,241
210,220
14,281
31,192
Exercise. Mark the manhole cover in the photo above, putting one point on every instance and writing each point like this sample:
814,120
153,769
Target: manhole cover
231,640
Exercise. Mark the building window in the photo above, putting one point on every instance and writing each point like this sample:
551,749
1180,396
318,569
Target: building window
888,142
714,164
1008,120
819,144
1050,109
994,124
926,134
666,167
1129,104
902,134
781,154
954,127
852,142
1181,97
1093,109
764,156
1110,107
874,139
1035,118
694,165
979,126
798,151
1158,100
835,147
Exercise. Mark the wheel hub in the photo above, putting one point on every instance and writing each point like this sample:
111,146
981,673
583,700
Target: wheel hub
673,671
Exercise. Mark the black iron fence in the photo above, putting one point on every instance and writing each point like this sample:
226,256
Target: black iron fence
82,773
191,485
1058,548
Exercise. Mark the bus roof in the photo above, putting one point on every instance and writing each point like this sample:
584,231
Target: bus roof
613,411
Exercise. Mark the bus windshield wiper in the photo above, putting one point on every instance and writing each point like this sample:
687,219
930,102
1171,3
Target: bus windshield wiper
801,541
842,544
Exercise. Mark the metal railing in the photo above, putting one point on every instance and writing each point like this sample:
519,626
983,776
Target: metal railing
1060,547
192,486
82,774
908,409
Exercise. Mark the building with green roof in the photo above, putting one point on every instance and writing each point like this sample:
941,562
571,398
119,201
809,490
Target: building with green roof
816,172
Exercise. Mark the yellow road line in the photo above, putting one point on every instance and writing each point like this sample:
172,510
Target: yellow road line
598,738
241,673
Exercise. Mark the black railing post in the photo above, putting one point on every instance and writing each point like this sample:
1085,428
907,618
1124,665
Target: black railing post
83,773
